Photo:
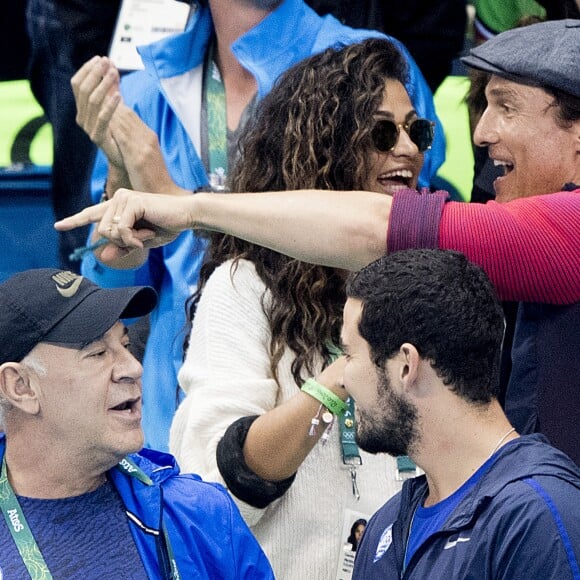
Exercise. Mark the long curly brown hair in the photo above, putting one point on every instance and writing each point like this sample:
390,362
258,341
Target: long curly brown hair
311,131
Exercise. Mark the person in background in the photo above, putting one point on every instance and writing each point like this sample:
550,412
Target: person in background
264,325
356,531
70,399
433,33
196,94
491,18
63,35
422,335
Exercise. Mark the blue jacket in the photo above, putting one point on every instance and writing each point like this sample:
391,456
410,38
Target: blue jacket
208,536
289,34
520,521
543,394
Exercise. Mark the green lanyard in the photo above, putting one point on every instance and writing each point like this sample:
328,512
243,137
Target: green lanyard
350,452
20,530
128,467
351,457
22,535
214,96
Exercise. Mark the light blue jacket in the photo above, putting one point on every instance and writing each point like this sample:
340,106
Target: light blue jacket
208,537
289,34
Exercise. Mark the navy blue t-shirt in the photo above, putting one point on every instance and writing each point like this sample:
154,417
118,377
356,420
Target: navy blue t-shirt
86,536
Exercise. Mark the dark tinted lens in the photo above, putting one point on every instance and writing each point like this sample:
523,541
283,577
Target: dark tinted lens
421,133
384,135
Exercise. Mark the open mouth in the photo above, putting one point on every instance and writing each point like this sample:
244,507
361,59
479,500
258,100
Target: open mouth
507,167
395,180
128,406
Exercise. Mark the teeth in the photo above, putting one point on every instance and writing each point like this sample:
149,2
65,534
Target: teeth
124,406
404,173
499,163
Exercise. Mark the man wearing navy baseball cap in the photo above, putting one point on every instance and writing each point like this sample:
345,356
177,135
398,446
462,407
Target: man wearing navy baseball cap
70,394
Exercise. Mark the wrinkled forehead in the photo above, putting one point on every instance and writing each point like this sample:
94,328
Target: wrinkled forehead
499,87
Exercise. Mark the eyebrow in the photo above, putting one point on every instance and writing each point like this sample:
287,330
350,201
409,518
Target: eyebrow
100,338
503,93
388,115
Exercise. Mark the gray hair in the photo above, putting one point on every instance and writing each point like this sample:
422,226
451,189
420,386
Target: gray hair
32,363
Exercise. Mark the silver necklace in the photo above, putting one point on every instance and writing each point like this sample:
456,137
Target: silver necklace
501,441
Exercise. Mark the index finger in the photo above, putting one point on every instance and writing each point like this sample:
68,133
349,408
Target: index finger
89,215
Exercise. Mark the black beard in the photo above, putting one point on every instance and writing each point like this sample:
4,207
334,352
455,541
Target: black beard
391,427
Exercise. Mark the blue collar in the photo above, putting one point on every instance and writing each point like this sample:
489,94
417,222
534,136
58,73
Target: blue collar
267,50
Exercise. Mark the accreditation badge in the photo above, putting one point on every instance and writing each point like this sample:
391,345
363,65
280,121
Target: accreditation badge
353,525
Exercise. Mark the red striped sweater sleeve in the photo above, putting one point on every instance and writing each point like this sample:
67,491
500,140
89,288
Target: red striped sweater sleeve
530,248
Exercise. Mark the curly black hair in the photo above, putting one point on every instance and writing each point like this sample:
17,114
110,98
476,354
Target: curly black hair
443,305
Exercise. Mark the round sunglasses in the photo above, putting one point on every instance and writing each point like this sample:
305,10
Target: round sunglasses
385,134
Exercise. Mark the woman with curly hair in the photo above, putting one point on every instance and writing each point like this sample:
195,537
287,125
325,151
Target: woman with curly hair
263,323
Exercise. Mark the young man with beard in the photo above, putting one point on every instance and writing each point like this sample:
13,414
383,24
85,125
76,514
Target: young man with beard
422,334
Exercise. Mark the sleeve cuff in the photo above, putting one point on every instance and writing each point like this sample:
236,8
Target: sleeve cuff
414,220
239,479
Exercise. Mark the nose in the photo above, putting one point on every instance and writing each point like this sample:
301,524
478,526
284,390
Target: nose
404,147
485,133
127,368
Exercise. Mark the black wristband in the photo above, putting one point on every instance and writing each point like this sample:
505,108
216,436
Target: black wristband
239,478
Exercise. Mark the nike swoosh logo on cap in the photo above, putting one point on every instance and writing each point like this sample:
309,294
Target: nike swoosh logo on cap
64,278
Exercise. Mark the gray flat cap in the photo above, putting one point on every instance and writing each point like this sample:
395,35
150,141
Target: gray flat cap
544,54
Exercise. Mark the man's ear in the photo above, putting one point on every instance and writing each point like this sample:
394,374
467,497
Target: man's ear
409,360
17,388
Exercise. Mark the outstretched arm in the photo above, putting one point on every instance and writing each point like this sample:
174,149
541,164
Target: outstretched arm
340,229
528,246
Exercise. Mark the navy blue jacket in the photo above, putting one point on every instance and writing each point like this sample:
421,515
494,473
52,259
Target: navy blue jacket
543,393
521,521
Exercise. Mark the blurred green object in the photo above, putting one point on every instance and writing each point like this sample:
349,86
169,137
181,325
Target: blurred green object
17,108
452,111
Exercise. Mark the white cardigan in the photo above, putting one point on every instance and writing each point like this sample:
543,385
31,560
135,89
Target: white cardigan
226,375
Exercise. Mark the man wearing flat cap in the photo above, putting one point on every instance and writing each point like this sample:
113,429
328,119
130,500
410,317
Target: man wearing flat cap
77,499
531,127
526,241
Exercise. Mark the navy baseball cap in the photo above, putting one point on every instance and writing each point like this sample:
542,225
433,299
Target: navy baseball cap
50,305
546,54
